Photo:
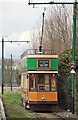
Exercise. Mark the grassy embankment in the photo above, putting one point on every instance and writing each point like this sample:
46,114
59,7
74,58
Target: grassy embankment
13,106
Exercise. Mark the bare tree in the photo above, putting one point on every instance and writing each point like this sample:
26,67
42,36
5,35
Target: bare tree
35,39
57,30
7,71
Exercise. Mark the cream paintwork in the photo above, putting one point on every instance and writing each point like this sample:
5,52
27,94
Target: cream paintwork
42,56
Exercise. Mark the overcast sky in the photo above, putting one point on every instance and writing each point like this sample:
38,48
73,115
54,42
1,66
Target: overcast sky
17,20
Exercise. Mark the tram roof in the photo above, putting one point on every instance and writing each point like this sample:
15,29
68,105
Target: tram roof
36,52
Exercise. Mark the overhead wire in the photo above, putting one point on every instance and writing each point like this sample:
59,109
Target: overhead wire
41,16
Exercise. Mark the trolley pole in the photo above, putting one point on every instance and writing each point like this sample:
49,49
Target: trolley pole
11,72
73,55
40,47
2,65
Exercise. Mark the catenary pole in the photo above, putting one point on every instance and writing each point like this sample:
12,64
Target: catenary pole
3,59
11,72
73,54
2,65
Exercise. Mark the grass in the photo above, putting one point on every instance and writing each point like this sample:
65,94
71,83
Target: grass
13,106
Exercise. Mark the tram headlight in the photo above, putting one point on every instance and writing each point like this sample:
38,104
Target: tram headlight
43,99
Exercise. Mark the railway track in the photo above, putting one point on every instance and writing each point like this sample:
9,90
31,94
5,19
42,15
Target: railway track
54,116
46,116
49,116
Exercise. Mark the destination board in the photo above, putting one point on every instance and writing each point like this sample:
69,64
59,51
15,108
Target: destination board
43,63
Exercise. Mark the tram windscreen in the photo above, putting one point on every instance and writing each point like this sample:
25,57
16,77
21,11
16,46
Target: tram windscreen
43,82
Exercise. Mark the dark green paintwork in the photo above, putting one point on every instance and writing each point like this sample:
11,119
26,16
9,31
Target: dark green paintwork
54,63
31,64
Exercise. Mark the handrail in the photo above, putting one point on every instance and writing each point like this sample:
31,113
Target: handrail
36,51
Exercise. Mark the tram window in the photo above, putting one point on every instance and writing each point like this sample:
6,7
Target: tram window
53,84
47,79
32,83
47,83
43,82
41,86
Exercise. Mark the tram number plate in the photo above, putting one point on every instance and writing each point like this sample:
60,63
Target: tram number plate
43,63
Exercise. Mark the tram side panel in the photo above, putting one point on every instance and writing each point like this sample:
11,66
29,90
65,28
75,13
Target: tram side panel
24,88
